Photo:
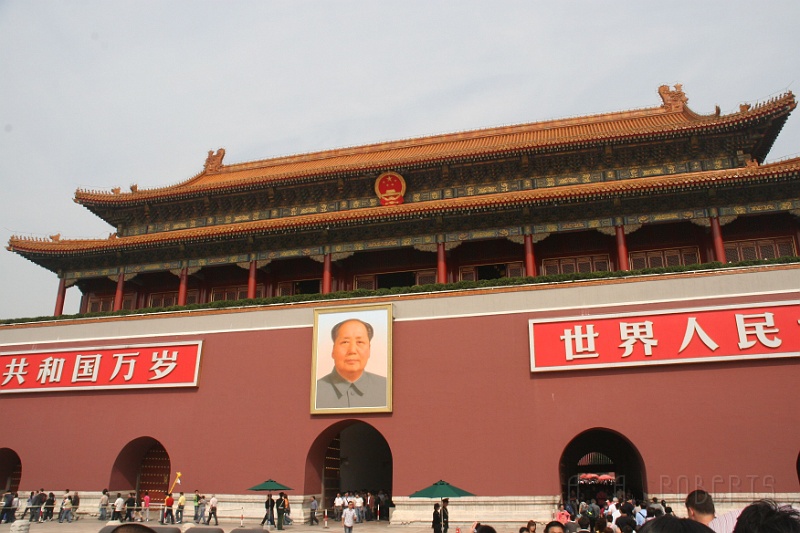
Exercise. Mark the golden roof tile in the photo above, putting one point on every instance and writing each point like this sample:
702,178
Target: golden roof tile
57,245
672,117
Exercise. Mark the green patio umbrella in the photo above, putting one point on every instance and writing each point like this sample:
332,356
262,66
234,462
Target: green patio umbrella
270,485
441,489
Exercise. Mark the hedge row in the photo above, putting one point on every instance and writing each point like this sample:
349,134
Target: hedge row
434,287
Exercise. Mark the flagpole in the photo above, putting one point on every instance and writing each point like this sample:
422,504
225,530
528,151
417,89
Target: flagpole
177,480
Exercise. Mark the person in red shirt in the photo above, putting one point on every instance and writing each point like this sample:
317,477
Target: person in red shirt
168,516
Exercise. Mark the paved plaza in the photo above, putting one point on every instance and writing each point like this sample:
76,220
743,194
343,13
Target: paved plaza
92,525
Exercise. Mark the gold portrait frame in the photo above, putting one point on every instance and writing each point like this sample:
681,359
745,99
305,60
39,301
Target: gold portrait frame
330,394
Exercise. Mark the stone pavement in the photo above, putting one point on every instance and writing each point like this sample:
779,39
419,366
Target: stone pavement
92,525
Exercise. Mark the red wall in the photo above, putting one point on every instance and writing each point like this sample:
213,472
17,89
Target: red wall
466,409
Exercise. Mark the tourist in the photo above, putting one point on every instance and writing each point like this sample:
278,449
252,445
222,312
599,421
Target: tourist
592,512
130,507
359,507
369,502
584,524
119,507
66,510
266,509
572,525
196,505
41,500
625,518
29,506
700,506
554,527
656,506
611,507
76,502
181,505
168,517
600,524
673,524
287,517
313,506
49,506
436,523
146,506
5,505
103,506
212,511
765,516
201,509
477,527
641,514
271,510
338,505
137,509
562,515
348,517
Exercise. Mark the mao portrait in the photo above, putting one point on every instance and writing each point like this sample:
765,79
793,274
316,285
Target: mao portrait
352,360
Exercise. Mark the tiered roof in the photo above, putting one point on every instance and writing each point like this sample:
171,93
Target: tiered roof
673,118
490,202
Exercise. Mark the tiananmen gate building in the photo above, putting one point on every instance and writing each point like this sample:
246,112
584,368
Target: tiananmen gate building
600,303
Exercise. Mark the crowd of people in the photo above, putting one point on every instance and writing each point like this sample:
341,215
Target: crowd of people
654,516
40,507
367,506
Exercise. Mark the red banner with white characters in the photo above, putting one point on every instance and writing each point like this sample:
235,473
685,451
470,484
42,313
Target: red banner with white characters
686,335
104,367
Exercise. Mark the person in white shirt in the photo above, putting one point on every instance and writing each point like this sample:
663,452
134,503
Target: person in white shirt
212,511
119,507
338,505
359,508
349,517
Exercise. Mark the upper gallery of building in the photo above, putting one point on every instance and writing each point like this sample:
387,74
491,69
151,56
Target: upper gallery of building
614,191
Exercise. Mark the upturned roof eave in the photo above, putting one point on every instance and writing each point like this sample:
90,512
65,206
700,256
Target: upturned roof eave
783,105
32,249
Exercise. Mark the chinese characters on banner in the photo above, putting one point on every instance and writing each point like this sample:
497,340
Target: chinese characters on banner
132,366
688,335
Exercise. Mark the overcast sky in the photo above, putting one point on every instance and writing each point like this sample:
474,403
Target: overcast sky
100,94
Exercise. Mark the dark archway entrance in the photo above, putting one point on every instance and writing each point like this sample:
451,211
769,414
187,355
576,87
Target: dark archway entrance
142,465
601,461
10,470
348,456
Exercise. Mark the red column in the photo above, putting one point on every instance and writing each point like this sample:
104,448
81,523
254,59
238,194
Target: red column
182,286
60,296
716,235
530,260
251,280
441,264
326,274
622,248
120,291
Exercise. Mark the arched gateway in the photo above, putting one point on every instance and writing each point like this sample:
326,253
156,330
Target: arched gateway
142,465
10,470
350,455
601,461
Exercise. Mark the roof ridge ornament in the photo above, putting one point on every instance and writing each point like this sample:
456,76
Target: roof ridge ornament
214,161
674,101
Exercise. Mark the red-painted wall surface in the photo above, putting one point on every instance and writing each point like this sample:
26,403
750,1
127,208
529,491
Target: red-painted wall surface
466,408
